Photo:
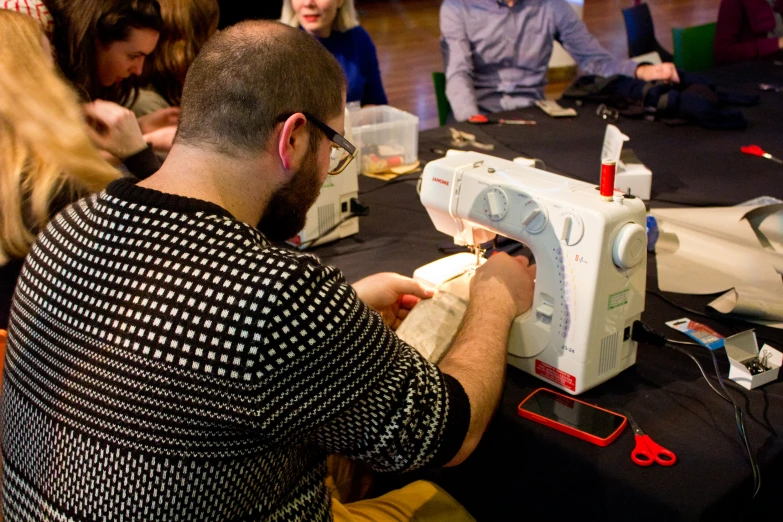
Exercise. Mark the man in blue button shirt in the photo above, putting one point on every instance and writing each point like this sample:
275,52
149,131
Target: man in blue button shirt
496,52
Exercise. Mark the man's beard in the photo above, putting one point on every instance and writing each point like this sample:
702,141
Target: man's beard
286,213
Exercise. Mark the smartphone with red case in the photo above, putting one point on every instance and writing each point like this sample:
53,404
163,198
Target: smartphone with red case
572,416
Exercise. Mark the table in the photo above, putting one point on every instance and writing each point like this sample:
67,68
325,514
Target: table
523,470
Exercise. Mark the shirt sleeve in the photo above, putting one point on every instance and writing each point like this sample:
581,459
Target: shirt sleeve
732,14
373,87
573,35
457,60
355,388
142,164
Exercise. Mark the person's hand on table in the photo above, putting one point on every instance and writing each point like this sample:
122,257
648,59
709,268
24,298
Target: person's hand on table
391,295
114,128
159,119
663,71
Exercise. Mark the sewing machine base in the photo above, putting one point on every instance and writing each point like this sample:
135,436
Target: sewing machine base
571,376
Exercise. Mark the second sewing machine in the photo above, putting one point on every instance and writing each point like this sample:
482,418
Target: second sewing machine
590,253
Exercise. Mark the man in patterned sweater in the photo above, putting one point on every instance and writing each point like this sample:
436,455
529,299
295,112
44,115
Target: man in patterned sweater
166,362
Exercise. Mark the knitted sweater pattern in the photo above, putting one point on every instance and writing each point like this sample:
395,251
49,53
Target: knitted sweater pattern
165,362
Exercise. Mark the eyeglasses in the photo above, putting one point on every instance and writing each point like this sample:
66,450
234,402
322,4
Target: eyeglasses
343,151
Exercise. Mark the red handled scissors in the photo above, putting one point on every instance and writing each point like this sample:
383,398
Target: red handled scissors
646,451
755,150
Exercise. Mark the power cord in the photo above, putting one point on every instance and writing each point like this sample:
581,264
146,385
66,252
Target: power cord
644,334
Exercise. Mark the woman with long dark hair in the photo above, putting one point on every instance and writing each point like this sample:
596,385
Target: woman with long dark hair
101,45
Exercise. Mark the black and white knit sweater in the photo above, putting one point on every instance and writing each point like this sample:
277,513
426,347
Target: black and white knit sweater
166,363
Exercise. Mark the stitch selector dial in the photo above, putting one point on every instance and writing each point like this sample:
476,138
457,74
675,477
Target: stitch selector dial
534,217
495,203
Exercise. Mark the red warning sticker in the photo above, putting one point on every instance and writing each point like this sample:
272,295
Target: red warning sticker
551,373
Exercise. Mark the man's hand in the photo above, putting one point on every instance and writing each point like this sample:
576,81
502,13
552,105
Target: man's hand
114,129
159,119
391,295
664,71
507,281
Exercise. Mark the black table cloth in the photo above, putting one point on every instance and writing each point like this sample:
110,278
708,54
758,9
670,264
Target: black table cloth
523,470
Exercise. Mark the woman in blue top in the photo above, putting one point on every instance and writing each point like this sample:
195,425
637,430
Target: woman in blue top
334,23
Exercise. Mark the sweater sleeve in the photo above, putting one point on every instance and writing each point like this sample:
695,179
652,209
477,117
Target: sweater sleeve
142,164
360,391
572,33
457,60
373,87
732,14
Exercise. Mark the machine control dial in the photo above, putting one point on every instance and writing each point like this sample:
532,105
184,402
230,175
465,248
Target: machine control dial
630,246
495,203
534,217
572,230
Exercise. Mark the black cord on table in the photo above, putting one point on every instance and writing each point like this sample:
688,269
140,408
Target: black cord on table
738,415
643,333
328,231
394,181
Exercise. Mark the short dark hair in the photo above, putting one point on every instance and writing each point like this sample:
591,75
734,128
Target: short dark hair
78,24
248,75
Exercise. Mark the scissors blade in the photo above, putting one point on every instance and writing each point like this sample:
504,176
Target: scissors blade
635,427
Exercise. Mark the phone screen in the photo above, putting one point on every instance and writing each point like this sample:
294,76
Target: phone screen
573,413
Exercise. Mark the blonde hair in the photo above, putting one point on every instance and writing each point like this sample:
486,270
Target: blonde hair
45,151
345,18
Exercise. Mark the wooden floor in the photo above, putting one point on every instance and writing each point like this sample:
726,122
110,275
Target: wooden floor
406,35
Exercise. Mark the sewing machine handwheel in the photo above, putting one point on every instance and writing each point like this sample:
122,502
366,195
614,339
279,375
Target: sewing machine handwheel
630,246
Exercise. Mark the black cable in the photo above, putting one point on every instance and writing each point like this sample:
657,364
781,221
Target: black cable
701,368
683,204
738,417
400,179
681,307
688,343
305,244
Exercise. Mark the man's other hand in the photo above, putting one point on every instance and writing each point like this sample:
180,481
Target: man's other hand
391,295
664,71
159,119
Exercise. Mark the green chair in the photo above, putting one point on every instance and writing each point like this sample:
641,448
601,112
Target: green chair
439,81
693,47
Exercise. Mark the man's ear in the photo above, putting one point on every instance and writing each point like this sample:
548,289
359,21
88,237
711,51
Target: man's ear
293,142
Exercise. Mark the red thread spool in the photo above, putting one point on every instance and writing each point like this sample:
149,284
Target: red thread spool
608,171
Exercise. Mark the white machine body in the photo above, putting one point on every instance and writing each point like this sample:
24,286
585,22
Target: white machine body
590,256
332,206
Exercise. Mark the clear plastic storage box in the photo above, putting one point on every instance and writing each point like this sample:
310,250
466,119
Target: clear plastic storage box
386,138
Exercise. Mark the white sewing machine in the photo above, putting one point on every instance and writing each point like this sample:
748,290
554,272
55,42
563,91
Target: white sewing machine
591,258
329,217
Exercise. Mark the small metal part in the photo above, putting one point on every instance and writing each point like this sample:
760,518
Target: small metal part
479,253
607,113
